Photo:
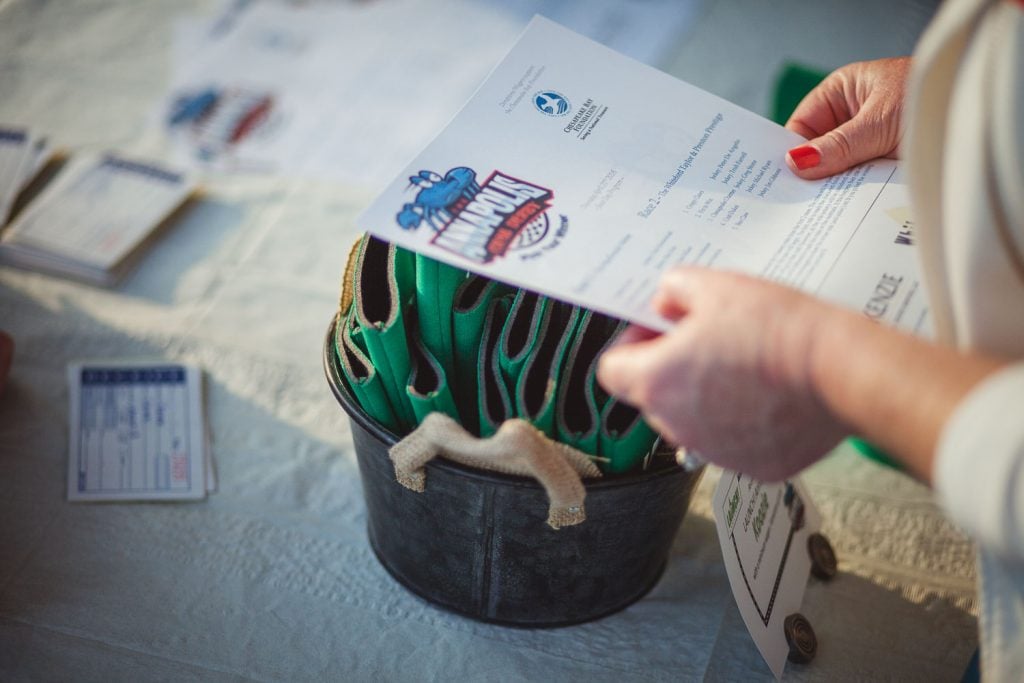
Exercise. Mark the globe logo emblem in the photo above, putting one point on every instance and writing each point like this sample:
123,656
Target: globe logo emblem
551,103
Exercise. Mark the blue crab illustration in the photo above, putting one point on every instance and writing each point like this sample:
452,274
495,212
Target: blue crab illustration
436,195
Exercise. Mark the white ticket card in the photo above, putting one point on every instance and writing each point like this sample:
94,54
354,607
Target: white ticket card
763,530
136,432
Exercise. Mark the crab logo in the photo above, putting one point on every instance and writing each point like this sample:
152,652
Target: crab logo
551,103
436,195
477,220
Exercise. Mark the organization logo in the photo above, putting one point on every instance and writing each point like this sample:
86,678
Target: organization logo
477,220
551,103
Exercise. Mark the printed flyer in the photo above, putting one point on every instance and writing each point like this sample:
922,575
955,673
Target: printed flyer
583,174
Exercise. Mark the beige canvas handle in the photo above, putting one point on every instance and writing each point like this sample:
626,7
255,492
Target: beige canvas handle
518,448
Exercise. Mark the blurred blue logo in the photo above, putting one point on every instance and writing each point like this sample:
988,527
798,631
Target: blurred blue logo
551,103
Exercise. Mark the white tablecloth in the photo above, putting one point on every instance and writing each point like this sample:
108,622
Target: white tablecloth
272,578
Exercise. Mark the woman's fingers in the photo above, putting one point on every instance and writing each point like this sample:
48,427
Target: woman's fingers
852,116
621,365
730,378
634,334
638,351
822,109
854,142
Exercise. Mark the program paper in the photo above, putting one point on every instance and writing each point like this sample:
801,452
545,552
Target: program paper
584,175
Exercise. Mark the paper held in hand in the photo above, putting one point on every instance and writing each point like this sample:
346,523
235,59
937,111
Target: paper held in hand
582,174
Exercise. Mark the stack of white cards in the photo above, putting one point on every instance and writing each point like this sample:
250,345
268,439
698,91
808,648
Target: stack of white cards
94,217
22,154
137,432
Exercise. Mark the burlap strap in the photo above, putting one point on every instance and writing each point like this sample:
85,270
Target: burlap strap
348,280
518,448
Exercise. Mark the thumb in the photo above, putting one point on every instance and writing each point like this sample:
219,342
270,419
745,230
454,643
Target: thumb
841,148
621,367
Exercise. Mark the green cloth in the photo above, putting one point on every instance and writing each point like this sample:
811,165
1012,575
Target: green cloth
494,403
428,389
870,452
364,382
436,285
521,333
580,397
384,288
469,313
624,438
792,84
536,388
423,337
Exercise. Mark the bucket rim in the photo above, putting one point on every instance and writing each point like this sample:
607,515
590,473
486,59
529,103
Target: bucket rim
332,371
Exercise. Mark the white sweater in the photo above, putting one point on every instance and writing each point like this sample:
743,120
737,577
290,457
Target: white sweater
965,153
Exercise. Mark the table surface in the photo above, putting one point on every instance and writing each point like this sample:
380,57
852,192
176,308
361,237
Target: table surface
272,578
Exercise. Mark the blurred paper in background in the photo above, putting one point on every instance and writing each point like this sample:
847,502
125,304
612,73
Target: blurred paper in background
332,90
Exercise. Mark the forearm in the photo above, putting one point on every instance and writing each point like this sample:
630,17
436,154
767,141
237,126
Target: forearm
895,390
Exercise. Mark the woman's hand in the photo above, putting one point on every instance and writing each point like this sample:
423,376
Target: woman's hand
733,379
854,115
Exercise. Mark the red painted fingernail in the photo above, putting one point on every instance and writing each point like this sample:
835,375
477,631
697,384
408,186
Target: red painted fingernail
805,157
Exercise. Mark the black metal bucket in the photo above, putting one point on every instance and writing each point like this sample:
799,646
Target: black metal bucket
477,543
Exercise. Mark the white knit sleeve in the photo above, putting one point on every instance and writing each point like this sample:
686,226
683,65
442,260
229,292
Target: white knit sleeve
979,466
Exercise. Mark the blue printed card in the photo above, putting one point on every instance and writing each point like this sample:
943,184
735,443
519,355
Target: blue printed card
137,432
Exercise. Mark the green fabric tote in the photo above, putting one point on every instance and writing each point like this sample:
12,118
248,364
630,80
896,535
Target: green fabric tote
521,333
383,289
362,378
537,386
427,388
580,397
469,313
494,403
624,437
436,286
